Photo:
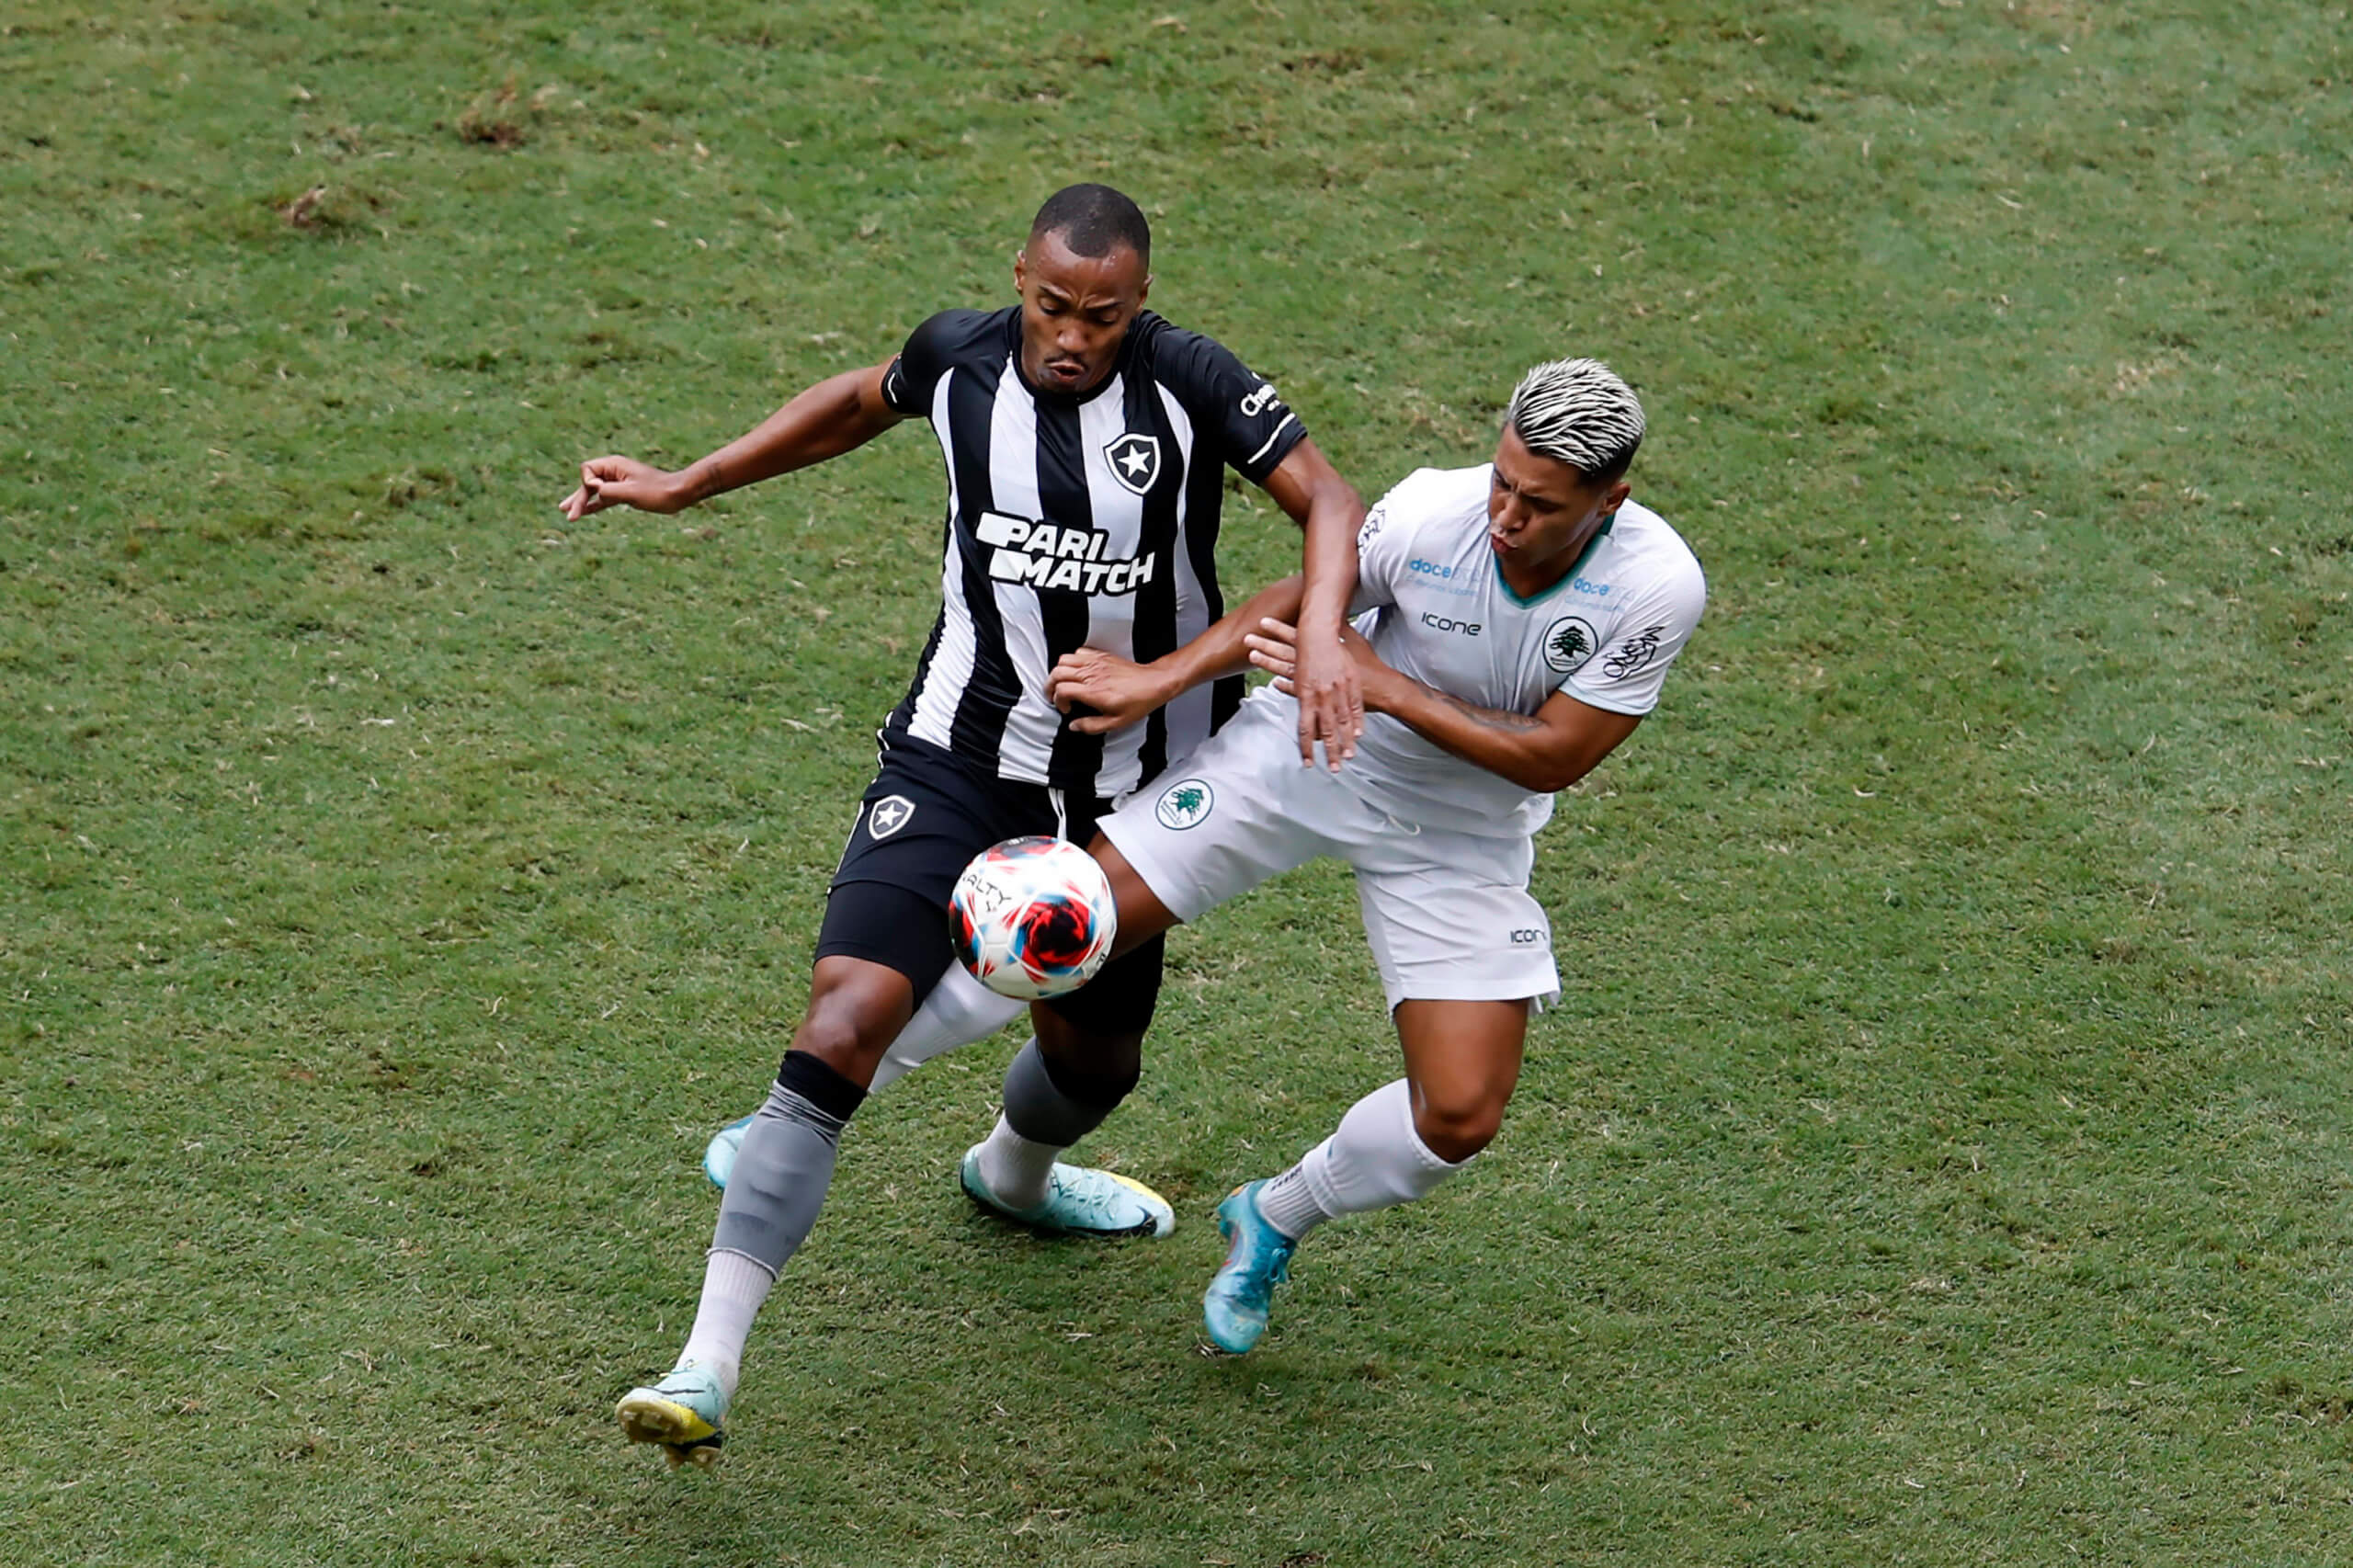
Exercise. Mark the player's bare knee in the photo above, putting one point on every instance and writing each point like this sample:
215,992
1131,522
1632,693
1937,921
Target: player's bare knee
848,1027
1455,1126
837,1039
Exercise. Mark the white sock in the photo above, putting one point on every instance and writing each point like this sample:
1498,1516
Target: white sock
959,1011
733,1286
1289,1203
1375,1161
1015,1168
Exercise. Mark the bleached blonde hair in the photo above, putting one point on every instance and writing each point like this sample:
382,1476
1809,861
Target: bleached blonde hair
1579,413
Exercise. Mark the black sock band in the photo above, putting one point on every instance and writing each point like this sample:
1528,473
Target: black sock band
809,1077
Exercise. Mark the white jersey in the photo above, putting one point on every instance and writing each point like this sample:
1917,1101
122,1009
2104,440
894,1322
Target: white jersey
1432,601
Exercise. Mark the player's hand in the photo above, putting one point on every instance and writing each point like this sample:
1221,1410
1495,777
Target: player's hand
1121,691
1331,698
623,481
1275,648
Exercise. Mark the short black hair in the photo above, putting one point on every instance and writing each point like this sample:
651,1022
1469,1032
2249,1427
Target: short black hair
1092,218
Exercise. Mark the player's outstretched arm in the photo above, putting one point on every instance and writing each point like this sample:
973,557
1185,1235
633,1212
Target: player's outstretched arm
1329,511
1122,692
1544,751
828,419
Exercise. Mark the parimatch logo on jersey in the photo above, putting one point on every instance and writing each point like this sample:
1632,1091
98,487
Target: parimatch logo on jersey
1044,556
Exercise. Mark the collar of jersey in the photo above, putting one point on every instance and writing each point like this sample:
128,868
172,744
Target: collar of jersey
1567,577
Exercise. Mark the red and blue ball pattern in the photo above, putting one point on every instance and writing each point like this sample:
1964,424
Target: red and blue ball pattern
1032,917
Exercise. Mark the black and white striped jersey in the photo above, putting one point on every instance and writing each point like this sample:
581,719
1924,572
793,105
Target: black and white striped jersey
1075,522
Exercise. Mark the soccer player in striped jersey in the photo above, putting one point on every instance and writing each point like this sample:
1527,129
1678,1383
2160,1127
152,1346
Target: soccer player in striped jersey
1085,441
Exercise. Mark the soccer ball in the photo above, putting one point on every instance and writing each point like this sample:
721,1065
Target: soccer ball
1032,917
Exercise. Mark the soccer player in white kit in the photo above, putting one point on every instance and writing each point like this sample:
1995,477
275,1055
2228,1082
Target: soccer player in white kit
1513,623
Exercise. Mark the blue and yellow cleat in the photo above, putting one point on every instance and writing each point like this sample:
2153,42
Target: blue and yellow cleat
1079,1202
1234,1309
682,1413
719,1154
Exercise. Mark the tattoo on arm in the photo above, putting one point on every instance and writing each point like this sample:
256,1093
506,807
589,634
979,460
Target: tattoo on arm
1492,717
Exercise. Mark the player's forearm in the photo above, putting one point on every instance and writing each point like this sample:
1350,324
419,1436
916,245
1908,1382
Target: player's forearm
838,414
1517,746
1220,650
1329,557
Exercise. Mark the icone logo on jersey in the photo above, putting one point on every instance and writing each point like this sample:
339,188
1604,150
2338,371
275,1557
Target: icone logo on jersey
1579,586
1443,623
1044,556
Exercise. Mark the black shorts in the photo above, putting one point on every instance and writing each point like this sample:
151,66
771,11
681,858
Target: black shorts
923,818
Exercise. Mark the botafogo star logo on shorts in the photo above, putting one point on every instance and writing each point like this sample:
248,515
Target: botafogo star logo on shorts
1135,460
889,813
1184,804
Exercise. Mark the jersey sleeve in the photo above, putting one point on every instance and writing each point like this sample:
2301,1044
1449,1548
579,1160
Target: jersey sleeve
1384,545
1625,676
1252,427
907,385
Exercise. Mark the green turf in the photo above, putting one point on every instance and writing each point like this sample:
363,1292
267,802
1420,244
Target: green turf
1940,1157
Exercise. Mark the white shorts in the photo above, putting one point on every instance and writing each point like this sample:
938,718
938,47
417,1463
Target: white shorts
1448,914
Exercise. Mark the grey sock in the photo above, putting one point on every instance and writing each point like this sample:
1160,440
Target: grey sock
779,1180
1038,1110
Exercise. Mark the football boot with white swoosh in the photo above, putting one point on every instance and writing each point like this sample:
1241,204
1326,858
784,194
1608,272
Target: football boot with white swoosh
1079,1202
682,1413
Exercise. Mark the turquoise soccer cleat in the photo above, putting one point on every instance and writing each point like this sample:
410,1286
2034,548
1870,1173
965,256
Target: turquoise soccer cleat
1234,1309
681,1413
1079,1202
719,1154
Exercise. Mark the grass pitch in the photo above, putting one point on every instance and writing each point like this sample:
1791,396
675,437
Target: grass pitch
1940,1158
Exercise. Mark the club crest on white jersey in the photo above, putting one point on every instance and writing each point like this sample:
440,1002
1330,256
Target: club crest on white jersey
1569,642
